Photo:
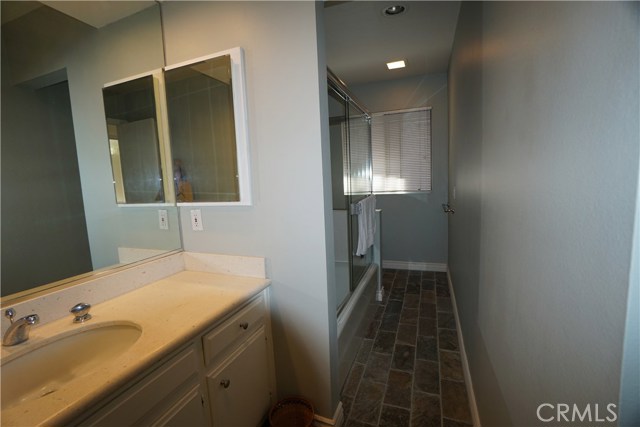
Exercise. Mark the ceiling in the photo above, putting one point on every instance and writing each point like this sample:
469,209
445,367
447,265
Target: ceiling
96,13
360,39
100,13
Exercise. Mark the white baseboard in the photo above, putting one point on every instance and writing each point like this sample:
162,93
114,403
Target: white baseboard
336,421
475,416
418,266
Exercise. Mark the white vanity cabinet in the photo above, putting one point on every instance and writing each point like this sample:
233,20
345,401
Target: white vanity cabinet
222,378
169,395
239,368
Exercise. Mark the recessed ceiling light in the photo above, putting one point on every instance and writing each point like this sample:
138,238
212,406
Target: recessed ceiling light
396,64
394,10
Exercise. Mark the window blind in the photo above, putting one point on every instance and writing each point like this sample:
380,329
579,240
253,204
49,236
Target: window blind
401,148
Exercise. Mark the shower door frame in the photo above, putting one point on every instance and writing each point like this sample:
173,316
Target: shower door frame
338,87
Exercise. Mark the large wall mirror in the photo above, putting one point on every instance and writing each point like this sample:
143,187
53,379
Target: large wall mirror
60,213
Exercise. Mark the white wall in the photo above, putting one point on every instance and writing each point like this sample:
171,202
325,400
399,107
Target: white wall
544,156
415,228
290,221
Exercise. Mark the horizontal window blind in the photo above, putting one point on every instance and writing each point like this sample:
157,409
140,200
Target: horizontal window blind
401,144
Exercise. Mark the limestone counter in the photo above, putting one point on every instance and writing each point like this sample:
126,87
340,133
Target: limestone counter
170,311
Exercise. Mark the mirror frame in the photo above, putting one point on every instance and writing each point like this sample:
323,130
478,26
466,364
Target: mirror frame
238,86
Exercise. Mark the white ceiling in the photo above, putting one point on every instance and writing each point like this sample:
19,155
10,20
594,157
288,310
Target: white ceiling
99,13
360,39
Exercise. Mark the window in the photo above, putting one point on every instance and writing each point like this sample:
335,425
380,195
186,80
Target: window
401,144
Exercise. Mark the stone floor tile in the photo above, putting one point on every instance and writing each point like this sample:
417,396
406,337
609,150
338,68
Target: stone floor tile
455,404
426,410
444,304
426,376
446,320
377,368
363,352
428,310
406,334
368,402
396,294
394,417
411,301
404,357
399,389
451,366
409,315
427,327
448,339
384,342
427,348
372,330
442,291
390,322
393,307
351,385
446,422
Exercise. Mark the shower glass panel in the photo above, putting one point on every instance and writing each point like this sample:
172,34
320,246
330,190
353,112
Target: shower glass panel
360,182
339,180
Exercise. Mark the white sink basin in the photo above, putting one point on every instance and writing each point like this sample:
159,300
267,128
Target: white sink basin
54,362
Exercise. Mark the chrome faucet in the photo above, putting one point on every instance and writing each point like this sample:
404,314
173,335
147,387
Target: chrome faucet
18,330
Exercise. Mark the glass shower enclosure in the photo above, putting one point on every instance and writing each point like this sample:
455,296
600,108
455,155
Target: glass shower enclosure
350,134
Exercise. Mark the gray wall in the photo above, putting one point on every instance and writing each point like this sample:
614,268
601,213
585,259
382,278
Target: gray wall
290,222
544,151
414,226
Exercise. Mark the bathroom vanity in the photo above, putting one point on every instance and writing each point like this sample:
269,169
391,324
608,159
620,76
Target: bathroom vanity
193,348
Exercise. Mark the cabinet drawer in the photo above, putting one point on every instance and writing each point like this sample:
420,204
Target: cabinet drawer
144,402
239,326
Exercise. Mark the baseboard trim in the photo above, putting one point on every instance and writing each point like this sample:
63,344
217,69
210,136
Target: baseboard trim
336,421
418,266
475,416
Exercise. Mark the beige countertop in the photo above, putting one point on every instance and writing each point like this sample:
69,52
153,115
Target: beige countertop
170,312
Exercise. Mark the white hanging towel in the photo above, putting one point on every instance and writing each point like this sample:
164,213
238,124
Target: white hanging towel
366,224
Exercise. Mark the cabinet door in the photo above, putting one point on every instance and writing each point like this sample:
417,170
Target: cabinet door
239,389
157,396
187,412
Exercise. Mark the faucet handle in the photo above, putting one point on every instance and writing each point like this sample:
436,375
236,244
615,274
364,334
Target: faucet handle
81,312
10,313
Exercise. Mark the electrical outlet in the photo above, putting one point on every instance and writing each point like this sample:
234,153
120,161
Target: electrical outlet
163,219
196,220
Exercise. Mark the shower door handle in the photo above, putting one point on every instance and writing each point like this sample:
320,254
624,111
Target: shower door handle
448,209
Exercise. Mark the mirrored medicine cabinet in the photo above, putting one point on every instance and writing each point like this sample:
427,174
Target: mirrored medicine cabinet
180,135
136,144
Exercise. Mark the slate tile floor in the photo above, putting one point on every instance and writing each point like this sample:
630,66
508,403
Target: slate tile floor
408,371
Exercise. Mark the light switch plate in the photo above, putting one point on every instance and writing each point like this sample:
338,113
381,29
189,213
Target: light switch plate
163,219
196,220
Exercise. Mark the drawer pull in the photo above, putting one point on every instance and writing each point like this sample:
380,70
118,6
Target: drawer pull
225,383
244,325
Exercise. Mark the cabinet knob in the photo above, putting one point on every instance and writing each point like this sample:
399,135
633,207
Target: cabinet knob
225,383
244,325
